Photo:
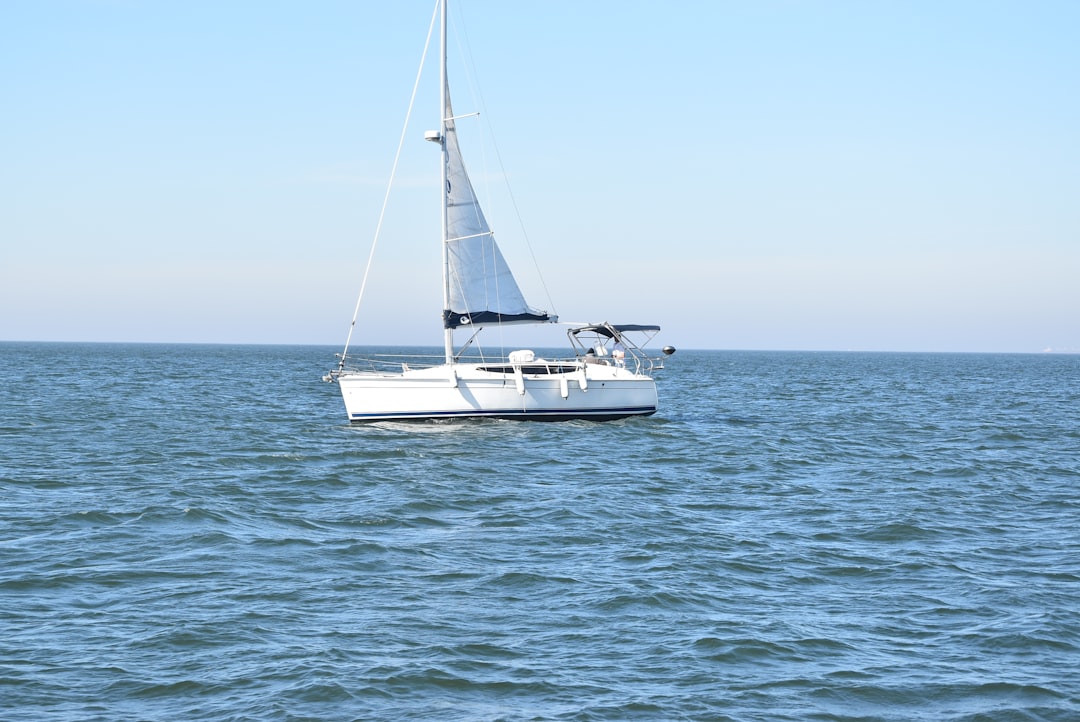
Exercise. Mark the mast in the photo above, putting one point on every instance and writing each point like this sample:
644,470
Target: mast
448,333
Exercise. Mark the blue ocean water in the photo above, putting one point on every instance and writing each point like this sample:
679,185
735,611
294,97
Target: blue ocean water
194,532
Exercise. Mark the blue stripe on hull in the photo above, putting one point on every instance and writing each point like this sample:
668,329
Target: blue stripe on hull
514,414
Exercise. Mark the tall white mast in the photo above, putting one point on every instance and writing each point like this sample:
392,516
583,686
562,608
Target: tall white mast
448,333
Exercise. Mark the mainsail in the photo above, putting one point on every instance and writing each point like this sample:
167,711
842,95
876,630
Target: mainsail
481,287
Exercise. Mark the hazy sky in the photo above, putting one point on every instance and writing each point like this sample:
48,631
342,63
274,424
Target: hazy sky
759,174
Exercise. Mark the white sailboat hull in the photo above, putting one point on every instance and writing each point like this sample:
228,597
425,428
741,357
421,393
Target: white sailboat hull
556,393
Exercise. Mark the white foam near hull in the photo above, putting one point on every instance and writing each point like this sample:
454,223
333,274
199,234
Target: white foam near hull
558,392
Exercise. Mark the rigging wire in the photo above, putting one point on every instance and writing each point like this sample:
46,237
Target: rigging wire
389,185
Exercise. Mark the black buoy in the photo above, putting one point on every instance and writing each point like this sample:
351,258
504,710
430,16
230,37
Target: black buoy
668,350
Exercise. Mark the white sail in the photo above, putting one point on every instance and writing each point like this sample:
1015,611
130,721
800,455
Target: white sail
481,287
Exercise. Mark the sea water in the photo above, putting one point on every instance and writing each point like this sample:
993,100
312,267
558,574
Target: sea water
195,533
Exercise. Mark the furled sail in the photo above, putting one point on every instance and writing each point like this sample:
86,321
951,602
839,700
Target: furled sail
482,288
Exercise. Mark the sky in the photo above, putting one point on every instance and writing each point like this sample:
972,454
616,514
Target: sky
775,174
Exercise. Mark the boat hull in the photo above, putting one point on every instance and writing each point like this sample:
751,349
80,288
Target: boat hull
600,393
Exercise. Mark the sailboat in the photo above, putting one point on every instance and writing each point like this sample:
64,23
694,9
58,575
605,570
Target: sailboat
607,377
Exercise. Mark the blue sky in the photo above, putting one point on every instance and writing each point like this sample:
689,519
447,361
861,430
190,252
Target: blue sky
768,175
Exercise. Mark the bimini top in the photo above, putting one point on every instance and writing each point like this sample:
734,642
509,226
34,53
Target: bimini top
610,330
